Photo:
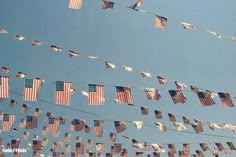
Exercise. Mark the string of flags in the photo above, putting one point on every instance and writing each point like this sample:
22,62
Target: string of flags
160,21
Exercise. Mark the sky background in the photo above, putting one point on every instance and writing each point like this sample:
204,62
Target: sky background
123,37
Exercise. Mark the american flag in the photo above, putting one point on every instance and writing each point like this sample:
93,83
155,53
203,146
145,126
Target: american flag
31,90
156,154
90,144
5,70
25,135
110,65
4,86
180,85
31,122
124,95
7,121
186,120
161,126
219,146
187,26
205,98
186,149
146,147
138,154
96,94
152,93
67,148
62,120
63,92
126,68
55,48
145,74
144,110
53,124
199,153
177,96
120,126
109,154
19,37
13,103
22,123
107,4
194,89
133,6
98,128
75,4
67,137
204,146
101,147
77,125
37,112
158,114
91,154
25,108
20,75
3,31
160,22
116,148
197,127
171,149
79,148
172,117
73,53
180,126
36,145
124,153
162,80
87,128
231,145
226,99
138,124
214,33
112,137
37,43
15,143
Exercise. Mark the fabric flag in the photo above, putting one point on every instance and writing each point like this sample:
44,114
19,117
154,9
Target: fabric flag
187,26
98,128
101,147
62,120
13,103
67,148
36,145
146,147
3,31
181,154
37,112
220,147
214,152
96,94
197,127
152,93
160,22
90,144
162,80
226,99
117,148
91,154
138,154
79,148
157,148
172,117
22,123
124,153
15,143
87,128
31,122
5,70
126,68
32,88
144,110
110,65
37,43
67,137
161,126
45,142
93,57
124,95
20,75
56,134
53,124
79,139
145,74
55,48
171,149
25,135
186,121
45,131
138,124
156,154
231,145
212,126
19,37
73,53
112,137
180,126
75,4
205,98
109,154
25,108
63,92
177,96
158,114
199,153
204,146
214,33
133,6
120,126
107,4
194,89
180,85
231,37
77,125
7,121
4,86
186,149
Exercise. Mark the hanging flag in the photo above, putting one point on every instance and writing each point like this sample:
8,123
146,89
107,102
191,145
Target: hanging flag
180,126
205,98
45,131
126,68
96,94
67,137
124,95
172,117
226,99
138,124
177,96
4,86
110,65
20,75
91,154
186,149
15,143
22,123
13,103
171,149
180,85
231,145
3,31
19,37
62,120
55,48
197,127
37,43
120,126
90,144
63,92
133,6
77,125
53,124
214,33
161,126
231,37
25,135
93,57
37,112
144,110
107,4
158,148
152,93
87,128
158,114
214,152
101,147
162,80
199,153
112,137
67,148
5,70
79,148
186,120
45,142
25,108
220,147
138,154
156,154
7,121
75,4
204,147
117,148
140,2
160,22
36,145
187,26
145,74
124,153
194,89
32,88
98,128
73,53
31,122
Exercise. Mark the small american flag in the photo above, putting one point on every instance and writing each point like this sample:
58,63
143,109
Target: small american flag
146,74
138,124
180,85
204,146
37,112
45,142
226,99
20,75
161,126
73,53
112,137
32,88
55,48
7,122
144,110
98,128
63,92
205,98
158,114
5,70
3,31
87,128
177,96
110,65
124,153
13,103
197,127
160,22
138,154
31,122
53,124
219,146
194,89
25,108
120,126
187,26
231,145
199,153
186,149
79,148
36,145
171,149
96,94
101,147
25,135
37,43
126,68
214,33
124,95
186,120
19,37
75,4
156,154
116,148
67,137
15,143
107,4
90,144
162,80
152,93
172,117
4,86
77,125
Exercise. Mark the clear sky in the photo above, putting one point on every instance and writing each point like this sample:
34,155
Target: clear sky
123,37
